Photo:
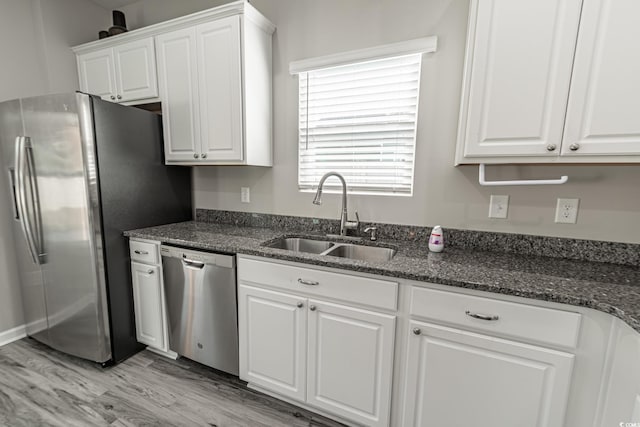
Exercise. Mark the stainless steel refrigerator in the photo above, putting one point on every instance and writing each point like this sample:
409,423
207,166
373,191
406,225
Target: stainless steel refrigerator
82,171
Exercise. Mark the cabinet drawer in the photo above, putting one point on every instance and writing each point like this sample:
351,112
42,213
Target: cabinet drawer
143,251
544,325
345,287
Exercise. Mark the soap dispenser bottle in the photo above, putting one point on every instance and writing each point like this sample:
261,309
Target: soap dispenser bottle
436,239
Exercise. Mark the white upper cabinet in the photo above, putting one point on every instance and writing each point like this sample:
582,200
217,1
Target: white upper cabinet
135,64
123,73
213,81
97,75
215,85
220,85
521,56
603,117
178,82
531,96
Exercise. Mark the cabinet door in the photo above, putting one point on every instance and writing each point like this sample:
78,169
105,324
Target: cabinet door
97,74
519,59
219,71
604,103
135,65
350,362
147,298
272,328
178,84
457,378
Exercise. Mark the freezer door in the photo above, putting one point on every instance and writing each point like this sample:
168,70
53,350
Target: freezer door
59,129
29,271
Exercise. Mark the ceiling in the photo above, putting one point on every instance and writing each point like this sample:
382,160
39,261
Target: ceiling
113,4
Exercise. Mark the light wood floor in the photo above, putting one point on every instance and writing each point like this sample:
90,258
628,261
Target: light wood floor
42,387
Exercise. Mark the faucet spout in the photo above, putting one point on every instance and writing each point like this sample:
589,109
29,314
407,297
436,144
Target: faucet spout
345,224
317,200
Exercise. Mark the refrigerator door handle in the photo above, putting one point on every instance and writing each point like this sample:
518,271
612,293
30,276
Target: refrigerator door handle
21,164
14,197
35,200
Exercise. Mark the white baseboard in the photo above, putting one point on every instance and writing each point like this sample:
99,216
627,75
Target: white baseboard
11,335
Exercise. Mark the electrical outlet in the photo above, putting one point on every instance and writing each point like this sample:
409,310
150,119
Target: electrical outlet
245,195
498,206
567,211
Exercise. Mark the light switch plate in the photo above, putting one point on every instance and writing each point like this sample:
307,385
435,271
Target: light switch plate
567,211
498,206
245,195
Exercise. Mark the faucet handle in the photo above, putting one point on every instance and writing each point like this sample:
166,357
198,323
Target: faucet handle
352,225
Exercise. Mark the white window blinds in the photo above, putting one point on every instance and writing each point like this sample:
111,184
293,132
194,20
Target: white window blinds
360,120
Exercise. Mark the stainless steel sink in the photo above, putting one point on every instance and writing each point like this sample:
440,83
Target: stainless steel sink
298,244
337,249
364,253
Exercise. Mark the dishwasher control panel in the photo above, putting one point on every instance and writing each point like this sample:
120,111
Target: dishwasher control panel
220,260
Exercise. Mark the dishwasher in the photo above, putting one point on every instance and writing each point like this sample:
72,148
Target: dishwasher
202,309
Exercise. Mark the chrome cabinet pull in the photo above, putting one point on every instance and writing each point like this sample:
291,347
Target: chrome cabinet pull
416,331
312,307
308,282
574,147
487,317
300,305
203,155
551,147
141,252
195,156
112,97
150,271
119,97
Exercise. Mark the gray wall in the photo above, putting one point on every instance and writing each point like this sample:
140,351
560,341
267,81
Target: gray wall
443,194
35,36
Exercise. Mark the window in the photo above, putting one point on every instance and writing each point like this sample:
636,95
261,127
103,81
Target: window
359,120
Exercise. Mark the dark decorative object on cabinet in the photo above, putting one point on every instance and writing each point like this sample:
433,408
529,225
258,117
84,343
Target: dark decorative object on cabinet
119,25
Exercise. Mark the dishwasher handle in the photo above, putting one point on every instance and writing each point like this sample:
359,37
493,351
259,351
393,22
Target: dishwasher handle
193,264
197,259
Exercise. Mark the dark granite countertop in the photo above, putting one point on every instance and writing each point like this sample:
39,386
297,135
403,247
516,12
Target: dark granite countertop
611,288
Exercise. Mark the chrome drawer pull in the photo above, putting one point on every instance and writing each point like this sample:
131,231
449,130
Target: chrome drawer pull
141,252
308,282
149,271
482,316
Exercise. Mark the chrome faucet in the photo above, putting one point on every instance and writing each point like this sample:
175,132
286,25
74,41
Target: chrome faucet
345,224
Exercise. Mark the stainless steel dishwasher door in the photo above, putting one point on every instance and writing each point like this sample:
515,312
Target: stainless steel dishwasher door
202,312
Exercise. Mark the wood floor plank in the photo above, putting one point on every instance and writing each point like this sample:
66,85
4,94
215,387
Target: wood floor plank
42,387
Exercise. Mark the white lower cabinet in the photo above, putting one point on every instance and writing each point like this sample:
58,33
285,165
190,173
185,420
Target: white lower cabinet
350,362
148,294
147,297
273,346
334,357
340,343
622,390
457,378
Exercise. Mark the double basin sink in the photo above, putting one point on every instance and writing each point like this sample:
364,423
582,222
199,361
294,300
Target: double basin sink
337,249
